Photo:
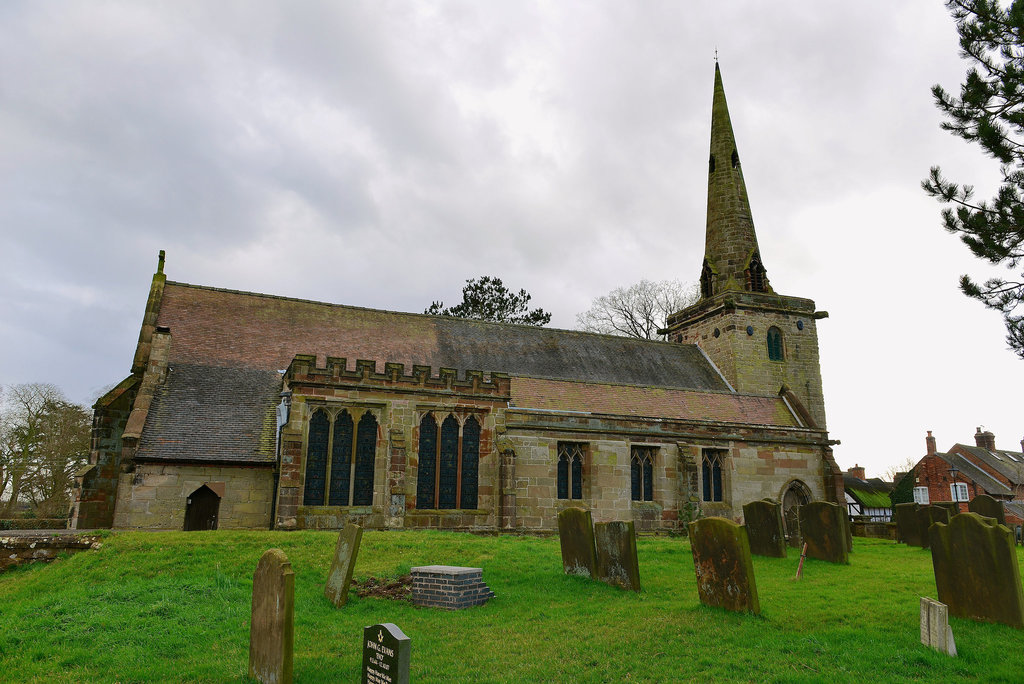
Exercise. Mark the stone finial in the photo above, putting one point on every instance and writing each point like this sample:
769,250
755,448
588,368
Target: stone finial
160,262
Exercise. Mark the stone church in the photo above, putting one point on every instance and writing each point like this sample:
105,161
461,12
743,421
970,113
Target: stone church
246,410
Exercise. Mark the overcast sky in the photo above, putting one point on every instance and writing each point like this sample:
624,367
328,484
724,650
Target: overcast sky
380,153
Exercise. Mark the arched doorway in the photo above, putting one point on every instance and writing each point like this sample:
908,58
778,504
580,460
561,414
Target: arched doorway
201,509
794,495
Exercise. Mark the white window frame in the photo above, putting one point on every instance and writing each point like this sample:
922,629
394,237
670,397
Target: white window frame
921,496
962,487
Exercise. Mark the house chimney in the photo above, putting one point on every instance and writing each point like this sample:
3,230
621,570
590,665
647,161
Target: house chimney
929,442
985,440
856,471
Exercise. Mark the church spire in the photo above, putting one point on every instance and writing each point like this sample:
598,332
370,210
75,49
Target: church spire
732,260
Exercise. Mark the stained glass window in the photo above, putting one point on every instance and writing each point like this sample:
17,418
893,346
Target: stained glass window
366,451
341,460
316,459
470,462
448,466
570,470
641,472
427,463
711,474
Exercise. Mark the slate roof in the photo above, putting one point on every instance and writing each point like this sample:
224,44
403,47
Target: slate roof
1009,464
653,402
977,474
212,414
217,327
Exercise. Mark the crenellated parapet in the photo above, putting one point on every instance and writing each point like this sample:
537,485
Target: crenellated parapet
303,370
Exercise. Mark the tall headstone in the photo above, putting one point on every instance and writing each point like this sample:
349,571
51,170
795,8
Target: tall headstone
847,529
935,630
576,536
617,562
976,571
987,507
387,652
340,576
763,520
907,524
722,563
821,524
271,624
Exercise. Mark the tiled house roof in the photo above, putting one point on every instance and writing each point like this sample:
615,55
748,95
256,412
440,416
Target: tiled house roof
1009,464
661,402
228,328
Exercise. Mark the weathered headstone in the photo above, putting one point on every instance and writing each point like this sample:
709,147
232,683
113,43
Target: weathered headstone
976,571
576,536
926,515
387,652
847,529
721,560
617,562
821,524
935,630
763,520
985,506
270,627
344,561
907,525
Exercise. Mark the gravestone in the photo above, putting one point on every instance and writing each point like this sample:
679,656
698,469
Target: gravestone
270,627
926,515
907,525
721,561
848,529
985,506
763,520
617,562
976,571
821,524
386,655
576,536
344,561
935,630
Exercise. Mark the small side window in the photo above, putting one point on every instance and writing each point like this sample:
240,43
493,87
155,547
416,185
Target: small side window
775,344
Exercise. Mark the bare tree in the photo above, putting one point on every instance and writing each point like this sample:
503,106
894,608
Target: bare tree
904,466
44,439
639,310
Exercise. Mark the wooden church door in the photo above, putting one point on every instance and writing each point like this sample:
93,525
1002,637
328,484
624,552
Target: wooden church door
201,509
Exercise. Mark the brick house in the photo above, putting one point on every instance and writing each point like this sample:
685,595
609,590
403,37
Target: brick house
966,471
246,410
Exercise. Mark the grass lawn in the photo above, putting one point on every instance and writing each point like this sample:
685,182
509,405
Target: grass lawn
175,607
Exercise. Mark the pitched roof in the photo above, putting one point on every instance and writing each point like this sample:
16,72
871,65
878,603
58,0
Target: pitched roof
212,414
873,493
660,402
217,327
1009,464
976,474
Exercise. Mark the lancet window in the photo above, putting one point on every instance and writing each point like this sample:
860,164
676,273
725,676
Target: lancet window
340,458
641,471
570,470
449,462
711,474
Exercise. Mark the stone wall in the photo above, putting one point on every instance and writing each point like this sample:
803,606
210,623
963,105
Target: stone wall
154,496
22,549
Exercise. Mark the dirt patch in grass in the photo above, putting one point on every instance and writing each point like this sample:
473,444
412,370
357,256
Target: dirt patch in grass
399,589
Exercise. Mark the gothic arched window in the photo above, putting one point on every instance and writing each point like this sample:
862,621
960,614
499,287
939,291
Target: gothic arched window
775,352
641,471
570,470
757,277
711,474
340,480
449,463
706,280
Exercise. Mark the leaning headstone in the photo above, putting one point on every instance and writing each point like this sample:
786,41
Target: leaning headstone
763,520
721,560
985,506
935,630
617,562
270,627
576,535
340,576
976,571
386,655
907,525
821,524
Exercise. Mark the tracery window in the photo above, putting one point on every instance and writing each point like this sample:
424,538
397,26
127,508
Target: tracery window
711,474
570,470
757,277
641,472
340,480
449,463
775,352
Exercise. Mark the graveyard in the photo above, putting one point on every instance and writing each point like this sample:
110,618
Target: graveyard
176,607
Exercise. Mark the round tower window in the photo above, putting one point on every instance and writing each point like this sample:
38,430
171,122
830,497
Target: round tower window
717,332
800,325
750,330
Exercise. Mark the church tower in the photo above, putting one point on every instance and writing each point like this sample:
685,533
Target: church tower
763,342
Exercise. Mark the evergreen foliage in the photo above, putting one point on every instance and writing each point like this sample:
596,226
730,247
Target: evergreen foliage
487,299
903,492
990,112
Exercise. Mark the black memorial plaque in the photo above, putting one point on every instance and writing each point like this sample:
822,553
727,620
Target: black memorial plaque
386,652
